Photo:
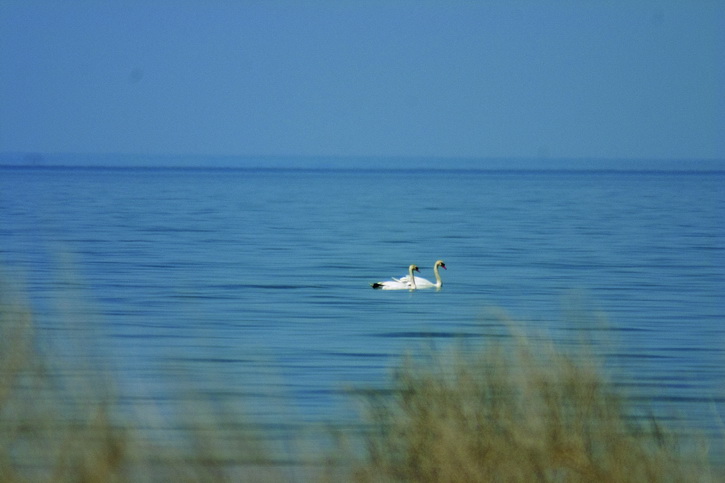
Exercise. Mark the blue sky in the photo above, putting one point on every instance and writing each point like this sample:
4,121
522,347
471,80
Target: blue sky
573,79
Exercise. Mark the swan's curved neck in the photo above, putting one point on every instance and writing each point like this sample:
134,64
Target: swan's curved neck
439,282
412,279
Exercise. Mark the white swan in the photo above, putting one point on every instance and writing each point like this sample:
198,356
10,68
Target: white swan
423,283
398,284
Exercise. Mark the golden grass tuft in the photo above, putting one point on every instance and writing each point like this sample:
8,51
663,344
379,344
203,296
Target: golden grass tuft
47,431
514,411
61,423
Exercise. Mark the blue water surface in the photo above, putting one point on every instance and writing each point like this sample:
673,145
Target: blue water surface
252,286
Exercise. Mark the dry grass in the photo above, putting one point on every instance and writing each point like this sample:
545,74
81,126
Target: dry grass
62,423
507,411
517,412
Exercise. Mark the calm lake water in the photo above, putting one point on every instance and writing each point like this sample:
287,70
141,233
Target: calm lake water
252,286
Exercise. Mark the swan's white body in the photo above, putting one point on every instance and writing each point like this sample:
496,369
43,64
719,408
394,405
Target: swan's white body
423,283
399,284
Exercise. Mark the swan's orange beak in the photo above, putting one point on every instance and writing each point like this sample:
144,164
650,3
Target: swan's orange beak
443,265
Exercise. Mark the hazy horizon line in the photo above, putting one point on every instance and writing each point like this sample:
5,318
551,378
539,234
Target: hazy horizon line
262,161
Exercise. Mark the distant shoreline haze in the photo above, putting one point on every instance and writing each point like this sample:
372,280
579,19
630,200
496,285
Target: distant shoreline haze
37,160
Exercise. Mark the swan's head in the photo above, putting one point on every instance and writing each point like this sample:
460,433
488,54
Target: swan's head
440,263
413,268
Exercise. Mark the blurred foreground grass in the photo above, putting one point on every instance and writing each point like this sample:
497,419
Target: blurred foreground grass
520,412
511,410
